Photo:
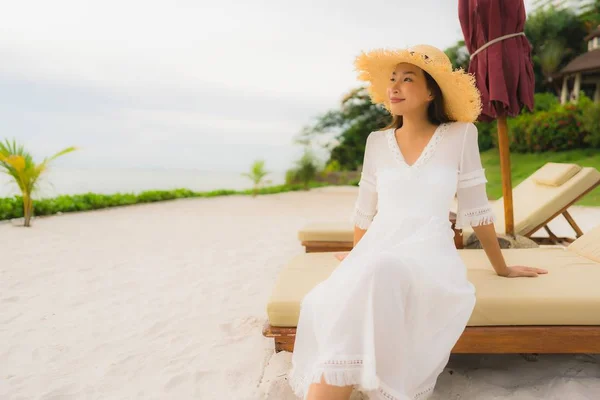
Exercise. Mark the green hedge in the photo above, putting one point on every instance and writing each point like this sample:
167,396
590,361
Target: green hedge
12,207
570,126
559,129
550,127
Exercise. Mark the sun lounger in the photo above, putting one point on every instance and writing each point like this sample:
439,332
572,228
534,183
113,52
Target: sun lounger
540,198
339,236
543,196
554,313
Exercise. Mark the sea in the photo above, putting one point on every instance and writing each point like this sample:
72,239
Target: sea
67,181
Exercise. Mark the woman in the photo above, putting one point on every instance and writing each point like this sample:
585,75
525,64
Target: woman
387,318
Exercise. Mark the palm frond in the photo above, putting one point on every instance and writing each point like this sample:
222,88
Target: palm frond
63,152
257,172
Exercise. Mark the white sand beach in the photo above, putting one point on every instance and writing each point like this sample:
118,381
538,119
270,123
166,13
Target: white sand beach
167,301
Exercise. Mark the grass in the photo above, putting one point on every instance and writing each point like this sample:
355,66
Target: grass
523,165
12,207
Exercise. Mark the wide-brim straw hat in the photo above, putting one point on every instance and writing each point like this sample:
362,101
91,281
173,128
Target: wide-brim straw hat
462,100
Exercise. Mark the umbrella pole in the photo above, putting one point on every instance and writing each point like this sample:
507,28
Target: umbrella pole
504,149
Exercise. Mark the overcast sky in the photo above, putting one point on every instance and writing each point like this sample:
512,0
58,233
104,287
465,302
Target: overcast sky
191,84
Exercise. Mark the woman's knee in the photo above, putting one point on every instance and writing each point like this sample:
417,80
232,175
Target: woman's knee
389,270
313,297
387,264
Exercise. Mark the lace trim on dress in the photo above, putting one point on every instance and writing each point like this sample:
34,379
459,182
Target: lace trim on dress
361,218
346,373
471,179
475,217
428,151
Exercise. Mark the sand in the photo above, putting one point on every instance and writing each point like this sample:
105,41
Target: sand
167,301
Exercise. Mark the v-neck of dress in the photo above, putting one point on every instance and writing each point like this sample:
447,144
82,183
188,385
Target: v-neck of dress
425,153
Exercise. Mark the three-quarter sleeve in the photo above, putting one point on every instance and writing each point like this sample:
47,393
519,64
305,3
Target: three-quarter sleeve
365,206
473,205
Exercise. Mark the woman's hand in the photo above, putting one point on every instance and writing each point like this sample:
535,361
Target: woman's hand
487,236
518,270
341,256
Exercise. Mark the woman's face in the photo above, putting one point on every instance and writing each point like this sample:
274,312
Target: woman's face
407,90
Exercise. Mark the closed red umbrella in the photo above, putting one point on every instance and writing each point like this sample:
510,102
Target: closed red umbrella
501,63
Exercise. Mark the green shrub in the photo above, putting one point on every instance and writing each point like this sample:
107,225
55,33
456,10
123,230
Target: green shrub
519,129
590,122
11,207
557,130
306,171
561,127
333,166
291,177
544,102
486,135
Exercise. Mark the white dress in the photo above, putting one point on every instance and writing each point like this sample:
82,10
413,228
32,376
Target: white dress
388,316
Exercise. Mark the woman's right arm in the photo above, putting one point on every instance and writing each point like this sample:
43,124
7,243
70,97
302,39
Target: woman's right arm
365,207
358,234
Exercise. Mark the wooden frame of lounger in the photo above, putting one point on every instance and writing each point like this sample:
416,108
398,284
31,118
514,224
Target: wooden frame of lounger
552,238
321,246
494,339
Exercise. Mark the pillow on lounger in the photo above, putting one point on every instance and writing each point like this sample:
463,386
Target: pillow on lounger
555,174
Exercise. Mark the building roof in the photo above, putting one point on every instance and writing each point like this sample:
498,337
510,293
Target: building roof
588,61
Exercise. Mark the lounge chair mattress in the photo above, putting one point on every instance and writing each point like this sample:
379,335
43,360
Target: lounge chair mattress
568,295
588,245
327,232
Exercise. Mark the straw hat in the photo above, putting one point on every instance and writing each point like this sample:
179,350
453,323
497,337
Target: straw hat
462,100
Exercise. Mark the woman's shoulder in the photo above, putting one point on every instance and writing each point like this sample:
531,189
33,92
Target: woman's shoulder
461,130
462,127
378,136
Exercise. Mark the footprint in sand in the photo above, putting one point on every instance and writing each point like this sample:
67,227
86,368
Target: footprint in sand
176,381
12,299
156,328
239,329
68,392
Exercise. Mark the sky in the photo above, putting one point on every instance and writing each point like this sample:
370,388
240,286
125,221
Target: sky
208,85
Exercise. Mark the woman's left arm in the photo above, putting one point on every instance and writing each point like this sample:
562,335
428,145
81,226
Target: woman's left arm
487,237
474,209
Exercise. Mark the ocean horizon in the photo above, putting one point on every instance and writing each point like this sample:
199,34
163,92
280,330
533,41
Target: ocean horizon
69,181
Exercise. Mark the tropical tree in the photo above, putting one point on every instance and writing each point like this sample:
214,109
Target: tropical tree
556,34
343,132
458,55
257,175
19,164
590,14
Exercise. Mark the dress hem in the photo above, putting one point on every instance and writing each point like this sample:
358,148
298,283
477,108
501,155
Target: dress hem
350,375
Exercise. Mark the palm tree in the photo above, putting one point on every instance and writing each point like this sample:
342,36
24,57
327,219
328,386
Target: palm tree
257,174
18,163
550,55
556,34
